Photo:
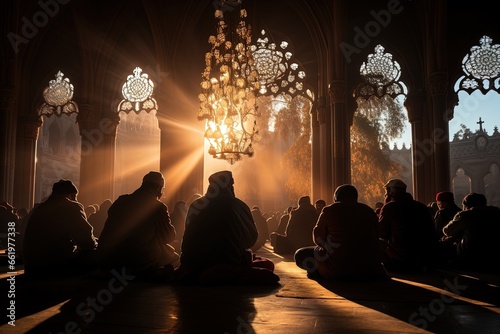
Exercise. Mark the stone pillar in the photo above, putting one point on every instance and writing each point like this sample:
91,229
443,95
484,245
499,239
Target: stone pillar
438,87
340,135
317,118
24,177
420,147
108,125
10,18
88,159
7,144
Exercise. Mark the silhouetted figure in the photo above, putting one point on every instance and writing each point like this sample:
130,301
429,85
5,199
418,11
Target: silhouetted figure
22,231
346,241
98,219
273,222
299,229
378,207
138,231
433,208
219,234
283,223
447,210
22,212
58,239
193,198
406,230
473,235
319,205
261,223
178,218
90,210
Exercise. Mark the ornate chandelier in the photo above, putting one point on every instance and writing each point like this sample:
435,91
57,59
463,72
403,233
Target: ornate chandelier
229,85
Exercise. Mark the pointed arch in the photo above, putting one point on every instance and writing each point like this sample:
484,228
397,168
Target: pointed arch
492,185
379,117
59,145
138,133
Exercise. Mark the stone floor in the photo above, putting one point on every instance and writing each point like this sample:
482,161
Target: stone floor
442,302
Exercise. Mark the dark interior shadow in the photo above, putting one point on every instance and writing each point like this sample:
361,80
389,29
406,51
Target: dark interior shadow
423,308
464,284
35,295
221,309
96,306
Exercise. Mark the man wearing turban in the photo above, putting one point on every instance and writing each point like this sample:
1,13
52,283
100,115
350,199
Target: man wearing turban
220,232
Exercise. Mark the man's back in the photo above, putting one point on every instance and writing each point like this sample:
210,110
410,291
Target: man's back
261,224
476,232
136,232
409,228
347,231
300,226
55,227
443,217
218,230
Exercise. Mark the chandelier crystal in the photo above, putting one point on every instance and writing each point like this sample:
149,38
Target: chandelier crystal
228,87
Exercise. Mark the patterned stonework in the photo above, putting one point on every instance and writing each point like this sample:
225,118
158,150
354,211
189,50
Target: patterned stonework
337,91
438,84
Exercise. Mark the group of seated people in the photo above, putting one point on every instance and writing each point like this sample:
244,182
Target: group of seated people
138,234
220,235
353,241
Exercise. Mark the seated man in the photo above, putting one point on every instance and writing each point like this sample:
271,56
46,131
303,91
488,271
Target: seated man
282,224
137,232
473,234
262,229
298,232
319,205
58,239
406,231
219,234
346,239
447,210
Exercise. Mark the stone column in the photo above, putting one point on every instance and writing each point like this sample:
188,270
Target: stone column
317,123
89,160
24,177
108,125
421,147
7,144
438,87
340,135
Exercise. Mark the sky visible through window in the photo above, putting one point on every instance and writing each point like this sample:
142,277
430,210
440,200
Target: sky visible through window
467,112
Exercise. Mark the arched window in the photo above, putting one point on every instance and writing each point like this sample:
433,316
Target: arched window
380,118
478,90
138,134
481,68
492,185
59,142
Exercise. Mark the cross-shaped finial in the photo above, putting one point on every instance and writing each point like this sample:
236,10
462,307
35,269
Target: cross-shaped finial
480,124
